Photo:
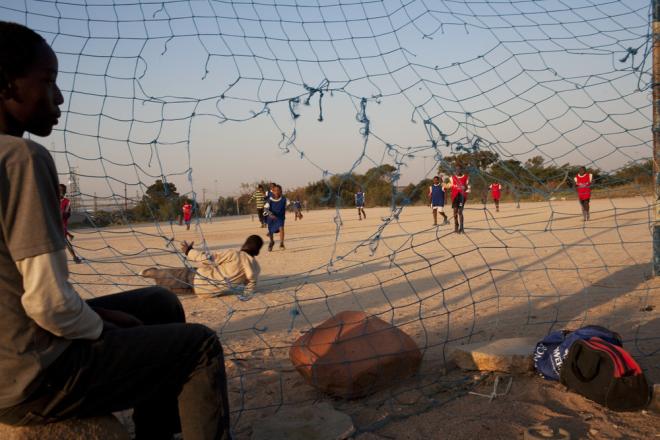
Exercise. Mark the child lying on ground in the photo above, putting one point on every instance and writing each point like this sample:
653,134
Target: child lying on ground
219,272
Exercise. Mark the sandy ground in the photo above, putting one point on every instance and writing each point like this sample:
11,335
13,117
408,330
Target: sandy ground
522,271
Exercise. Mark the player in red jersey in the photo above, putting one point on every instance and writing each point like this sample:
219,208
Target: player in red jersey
496,191
583,186
187,213
65,210
460,187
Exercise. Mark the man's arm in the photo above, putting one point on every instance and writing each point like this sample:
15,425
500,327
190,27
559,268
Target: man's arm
251,275
206,257
50,300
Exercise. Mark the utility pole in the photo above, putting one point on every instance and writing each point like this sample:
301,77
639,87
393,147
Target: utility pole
96,203
238,211
656,133
125,197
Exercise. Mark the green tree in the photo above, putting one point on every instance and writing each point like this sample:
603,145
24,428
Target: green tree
638,172
161,202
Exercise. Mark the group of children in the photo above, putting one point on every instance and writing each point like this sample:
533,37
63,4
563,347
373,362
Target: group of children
458,186
222,271
271,209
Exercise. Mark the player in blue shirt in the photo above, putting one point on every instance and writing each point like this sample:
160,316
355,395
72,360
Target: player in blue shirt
297,209
437,201
359,203
275,213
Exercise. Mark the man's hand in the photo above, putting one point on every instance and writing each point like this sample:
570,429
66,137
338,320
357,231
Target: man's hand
185,246
116,318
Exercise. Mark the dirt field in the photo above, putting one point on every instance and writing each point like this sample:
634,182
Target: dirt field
522,271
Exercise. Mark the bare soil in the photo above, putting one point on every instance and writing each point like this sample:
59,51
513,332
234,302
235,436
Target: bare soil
519,272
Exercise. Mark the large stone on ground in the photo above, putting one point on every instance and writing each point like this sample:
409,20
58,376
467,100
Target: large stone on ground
93,428
512,355
314,422
353,354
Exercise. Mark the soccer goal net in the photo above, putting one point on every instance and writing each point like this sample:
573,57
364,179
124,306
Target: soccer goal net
171,101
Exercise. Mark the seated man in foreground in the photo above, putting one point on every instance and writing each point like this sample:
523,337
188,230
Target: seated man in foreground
219,272
62,357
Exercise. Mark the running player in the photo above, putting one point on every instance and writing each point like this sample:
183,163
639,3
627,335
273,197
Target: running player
359,203
275,213
259,200
297,209
186,210
583,186
496,191
437,200
460,187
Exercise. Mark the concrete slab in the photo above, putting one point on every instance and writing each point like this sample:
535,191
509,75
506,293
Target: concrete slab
513,355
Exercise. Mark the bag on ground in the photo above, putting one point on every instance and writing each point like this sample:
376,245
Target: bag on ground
550,352
605,373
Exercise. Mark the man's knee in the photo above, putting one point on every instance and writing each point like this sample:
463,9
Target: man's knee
165,305
205,341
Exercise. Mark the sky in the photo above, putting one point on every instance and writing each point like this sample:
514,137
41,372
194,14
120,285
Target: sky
211,94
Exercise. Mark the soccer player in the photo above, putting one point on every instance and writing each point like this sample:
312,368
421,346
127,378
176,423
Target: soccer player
275,213
583,186
65,211
186,210
496,191
359,203
63,357
219,272
209,213
460,187
297,209
437,200
259,200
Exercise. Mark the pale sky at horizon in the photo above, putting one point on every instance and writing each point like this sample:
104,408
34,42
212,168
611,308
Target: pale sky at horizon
527,78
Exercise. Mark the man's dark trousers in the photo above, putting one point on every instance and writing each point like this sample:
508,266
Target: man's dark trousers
170,372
